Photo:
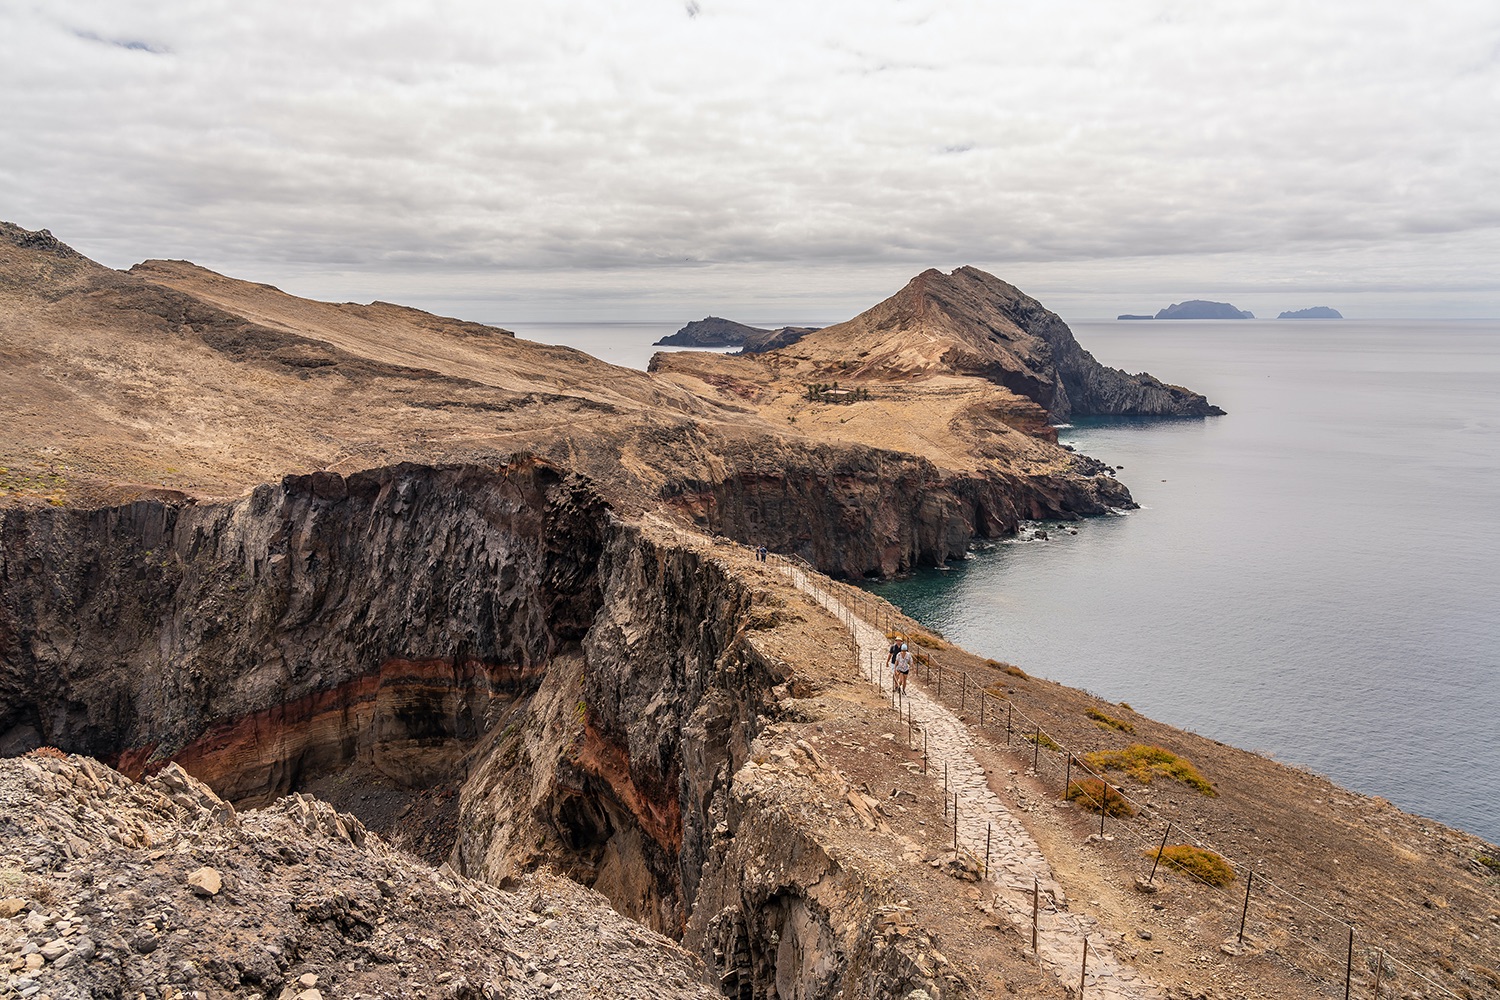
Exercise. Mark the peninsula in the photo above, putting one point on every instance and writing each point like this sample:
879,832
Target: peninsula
345,647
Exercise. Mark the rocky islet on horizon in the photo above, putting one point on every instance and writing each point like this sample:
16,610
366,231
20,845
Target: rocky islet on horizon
1315,312
1201,309
485,593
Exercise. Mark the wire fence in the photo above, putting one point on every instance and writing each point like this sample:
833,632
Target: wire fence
1311,940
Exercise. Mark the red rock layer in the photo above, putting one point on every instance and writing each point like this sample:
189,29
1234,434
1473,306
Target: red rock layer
411,719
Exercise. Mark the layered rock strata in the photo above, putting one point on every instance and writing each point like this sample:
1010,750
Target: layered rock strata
391,616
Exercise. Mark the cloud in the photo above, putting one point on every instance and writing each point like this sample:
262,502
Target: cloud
619,149
123,43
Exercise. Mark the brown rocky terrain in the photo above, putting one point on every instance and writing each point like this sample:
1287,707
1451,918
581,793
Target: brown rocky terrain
970,323
171,381
163,890
460,585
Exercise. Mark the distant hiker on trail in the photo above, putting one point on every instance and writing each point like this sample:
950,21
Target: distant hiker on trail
897,645
760,554
902,669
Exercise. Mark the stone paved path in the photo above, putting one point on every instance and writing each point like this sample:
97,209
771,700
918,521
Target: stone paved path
1015,859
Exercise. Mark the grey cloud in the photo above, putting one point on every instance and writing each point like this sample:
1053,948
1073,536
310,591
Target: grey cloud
751,143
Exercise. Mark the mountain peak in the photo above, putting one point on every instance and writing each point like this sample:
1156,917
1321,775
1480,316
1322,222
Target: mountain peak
970,322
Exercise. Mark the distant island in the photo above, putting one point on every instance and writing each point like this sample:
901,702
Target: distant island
1316,312
1131,316
1201,309
715,331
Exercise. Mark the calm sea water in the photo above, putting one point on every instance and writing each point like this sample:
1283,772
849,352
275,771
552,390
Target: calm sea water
1315,576
625,344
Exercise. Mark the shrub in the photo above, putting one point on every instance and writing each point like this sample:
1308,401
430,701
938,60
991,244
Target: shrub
1110,721
928,641
997,691
1090,793
1143,763
1042,740
1015,671
1200,864
52,752
1490,863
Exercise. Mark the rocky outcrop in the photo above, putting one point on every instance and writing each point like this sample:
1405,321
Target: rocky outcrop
711,331
1203,309
161,889
1316,312
655,716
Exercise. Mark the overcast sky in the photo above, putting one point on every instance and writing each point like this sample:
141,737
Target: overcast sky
770,161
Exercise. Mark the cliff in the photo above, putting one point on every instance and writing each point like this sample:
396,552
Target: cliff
490,604
693,740
1203,309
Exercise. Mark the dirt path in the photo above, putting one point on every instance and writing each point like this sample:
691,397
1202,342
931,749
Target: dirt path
1016,864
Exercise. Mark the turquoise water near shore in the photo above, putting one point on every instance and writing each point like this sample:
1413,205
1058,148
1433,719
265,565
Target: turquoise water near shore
1315,576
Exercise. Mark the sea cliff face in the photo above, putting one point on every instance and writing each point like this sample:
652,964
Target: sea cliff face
310,624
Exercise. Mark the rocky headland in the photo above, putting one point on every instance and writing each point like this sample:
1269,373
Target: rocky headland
713,331
984,336
498,604
1203,309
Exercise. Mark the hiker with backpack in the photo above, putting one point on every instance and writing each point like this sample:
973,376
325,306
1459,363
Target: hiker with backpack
901,669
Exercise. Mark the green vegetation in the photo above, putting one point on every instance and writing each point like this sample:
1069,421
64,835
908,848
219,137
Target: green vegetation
1490,863
1042,740
49,486
1145,763
1109,721
1200,864
829,392
1008,668
1091,794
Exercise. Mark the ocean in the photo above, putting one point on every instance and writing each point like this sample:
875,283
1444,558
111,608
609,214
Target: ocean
1315,576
